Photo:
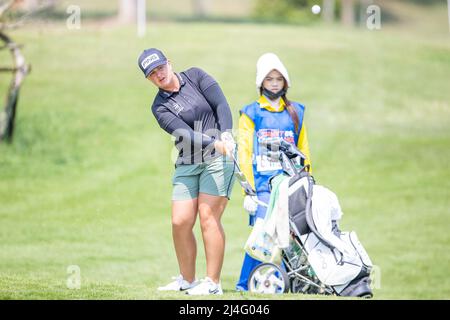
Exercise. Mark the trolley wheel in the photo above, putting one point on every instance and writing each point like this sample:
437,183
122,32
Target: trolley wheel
268,278
367,295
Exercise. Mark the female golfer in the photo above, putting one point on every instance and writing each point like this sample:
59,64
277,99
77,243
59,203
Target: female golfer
271,116
190,106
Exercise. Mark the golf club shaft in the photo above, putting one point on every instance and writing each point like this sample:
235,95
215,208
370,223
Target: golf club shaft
255,198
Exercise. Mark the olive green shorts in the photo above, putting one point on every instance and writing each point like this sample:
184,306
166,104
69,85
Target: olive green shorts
215,177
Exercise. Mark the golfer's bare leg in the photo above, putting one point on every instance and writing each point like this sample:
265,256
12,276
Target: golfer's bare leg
184,214
211,209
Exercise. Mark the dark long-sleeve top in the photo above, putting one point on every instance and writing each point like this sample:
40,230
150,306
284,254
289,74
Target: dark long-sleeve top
195,115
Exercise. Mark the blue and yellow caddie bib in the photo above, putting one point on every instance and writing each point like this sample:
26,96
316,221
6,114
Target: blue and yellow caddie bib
270,124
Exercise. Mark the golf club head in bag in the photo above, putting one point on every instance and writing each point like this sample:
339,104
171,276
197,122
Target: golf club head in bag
279,145
277,149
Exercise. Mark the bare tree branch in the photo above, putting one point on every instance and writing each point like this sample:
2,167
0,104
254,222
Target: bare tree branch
21,20
6,6
19,70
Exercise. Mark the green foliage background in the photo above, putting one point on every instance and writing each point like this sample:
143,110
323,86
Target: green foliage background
87,180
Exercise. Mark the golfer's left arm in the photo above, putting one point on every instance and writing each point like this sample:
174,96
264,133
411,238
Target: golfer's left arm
303,146
216,99
218,102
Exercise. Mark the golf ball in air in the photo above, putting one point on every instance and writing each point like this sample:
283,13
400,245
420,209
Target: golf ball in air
315,9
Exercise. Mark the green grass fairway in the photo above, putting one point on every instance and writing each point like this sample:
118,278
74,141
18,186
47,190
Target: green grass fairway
87,180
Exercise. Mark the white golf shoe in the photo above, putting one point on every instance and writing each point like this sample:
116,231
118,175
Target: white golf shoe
179,284
206,287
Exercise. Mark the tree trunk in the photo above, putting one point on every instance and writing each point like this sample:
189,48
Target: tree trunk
348,13
328,10
19,70
363,11
141,17
199,8
448,9
127,11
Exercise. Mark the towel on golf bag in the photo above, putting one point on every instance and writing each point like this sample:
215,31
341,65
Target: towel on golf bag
276,221
264,243
325,208
261,246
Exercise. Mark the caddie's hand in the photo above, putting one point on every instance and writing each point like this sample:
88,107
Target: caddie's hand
250,205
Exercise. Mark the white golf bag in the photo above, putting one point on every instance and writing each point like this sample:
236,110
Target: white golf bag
337,258
304,232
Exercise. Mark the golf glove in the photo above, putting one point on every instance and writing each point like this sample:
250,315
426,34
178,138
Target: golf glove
227,137
250,205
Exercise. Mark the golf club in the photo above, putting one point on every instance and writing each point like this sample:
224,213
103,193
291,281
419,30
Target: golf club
248,189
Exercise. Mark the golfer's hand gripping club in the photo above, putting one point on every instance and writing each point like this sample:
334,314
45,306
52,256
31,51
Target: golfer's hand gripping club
229,143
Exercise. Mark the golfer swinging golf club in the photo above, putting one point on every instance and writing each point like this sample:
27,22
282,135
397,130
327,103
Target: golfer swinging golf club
191,106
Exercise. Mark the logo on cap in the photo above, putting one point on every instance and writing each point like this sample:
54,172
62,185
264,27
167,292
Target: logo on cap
149,60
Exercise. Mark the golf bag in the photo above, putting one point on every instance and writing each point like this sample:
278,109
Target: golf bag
337,259
317,257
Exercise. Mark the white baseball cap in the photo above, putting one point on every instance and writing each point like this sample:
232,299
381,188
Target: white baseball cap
265,64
